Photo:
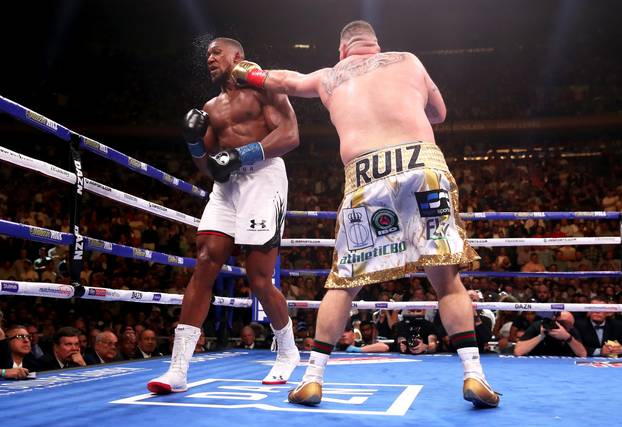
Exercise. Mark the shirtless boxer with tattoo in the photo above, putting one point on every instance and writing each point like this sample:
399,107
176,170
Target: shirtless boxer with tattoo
400,207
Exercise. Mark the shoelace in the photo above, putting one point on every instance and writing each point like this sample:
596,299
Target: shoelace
176,363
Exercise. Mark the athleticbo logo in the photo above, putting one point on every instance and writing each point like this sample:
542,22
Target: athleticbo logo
388,249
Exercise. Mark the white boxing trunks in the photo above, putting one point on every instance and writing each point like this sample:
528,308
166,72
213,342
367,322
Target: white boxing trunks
399,212
251,206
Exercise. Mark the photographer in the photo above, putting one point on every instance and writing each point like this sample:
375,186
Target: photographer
349,343
415,334
554,336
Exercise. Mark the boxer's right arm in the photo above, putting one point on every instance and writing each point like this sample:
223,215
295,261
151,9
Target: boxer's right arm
279,81
294,83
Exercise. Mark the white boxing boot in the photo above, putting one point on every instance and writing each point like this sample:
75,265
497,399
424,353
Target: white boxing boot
175,379
287,356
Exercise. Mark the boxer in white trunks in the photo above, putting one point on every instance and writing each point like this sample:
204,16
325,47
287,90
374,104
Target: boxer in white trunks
236,139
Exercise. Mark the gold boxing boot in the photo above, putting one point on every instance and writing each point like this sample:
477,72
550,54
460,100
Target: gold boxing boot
479,393
306,394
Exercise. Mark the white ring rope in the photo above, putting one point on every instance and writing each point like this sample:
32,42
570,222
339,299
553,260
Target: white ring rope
137,202
494,242
52,290
37,165
433,305
96,188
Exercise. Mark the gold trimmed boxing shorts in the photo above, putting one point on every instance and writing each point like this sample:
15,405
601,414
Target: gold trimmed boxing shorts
399,212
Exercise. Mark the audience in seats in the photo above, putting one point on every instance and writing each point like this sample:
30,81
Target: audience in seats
600,333
65,351
106,349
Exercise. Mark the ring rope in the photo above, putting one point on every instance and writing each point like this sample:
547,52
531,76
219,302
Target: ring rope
494,242
44,235
478,216
140,167
495,274
41,122
433,305
52,290
95,187
173,215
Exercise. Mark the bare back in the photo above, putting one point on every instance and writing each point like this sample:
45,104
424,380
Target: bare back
377,101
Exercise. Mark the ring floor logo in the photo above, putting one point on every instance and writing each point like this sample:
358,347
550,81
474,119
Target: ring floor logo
338,398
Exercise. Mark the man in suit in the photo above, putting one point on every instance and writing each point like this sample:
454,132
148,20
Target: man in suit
65,351
129,345
598,330
247,339
106,349
147,345
16,361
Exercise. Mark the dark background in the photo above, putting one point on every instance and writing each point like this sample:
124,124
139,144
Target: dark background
141,65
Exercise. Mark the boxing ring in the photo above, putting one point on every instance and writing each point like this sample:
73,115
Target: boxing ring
388,389
365,389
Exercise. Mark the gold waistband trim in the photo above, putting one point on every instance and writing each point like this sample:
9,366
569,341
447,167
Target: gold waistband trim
390,161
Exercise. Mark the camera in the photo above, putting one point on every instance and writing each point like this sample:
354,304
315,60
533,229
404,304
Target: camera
412,330
413,341
549,323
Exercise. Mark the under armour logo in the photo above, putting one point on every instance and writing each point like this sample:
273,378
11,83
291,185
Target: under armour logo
255,223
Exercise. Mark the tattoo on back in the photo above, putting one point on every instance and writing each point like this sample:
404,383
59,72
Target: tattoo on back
357,67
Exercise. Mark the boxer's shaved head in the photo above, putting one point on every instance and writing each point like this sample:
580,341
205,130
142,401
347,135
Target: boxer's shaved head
358,36
357,29
231,43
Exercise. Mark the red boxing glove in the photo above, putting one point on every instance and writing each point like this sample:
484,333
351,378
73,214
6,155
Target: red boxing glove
249,73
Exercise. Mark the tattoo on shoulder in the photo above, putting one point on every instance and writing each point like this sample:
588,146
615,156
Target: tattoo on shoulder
358,67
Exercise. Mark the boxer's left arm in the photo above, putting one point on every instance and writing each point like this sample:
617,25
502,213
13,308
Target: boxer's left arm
435,108
210,143
281,121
